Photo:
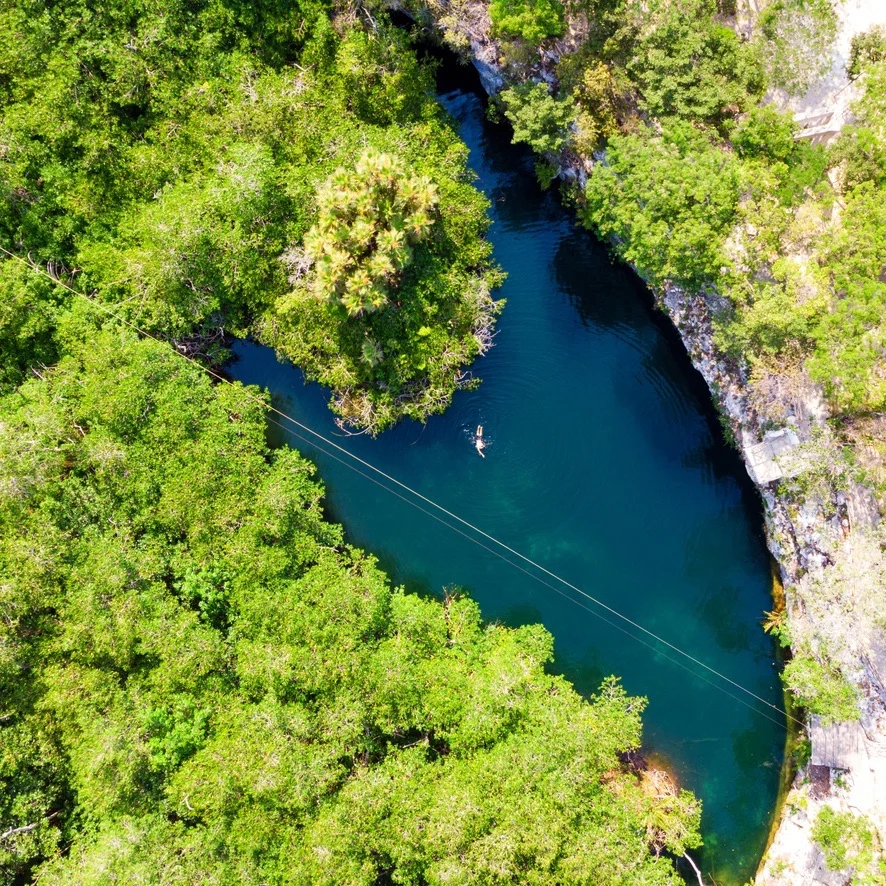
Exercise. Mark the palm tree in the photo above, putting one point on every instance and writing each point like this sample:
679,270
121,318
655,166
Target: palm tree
366,219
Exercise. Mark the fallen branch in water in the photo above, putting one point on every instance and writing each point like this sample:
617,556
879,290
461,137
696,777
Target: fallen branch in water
694,867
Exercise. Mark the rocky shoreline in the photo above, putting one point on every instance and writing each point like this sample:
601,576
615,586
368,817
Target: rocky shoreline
801,535
845,769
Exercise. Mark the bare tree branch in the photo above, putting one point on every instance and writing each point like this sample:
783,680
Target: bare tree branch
22,830
694,867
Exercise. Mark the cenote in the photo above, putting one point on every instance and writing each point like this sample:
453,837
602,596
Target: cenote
607,466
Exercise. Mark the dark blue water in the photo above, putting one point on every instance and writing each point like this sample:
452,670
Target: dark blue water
605,465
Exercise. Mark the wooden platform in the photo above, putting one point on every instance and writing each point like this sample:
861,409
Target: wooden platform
839,746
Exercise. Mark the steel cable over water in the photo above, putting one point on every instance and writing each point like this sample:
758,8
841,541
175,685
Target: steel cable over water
442,510
531,575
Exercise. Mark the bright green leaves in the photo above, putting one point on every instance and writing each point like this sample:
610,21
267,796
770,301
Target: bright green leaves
175,732
821,689
689,66
850,338
765,132
539,120
599,91
380,80
860,156
866,49
201,253
669,202
530,20
29,306
320,640
390,291
850,841
206,591
233,694
33,800
93,101
174,161
368,220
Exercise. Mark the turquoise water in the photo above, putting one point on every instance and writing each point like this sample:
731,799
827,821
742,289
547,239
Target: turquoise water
605,465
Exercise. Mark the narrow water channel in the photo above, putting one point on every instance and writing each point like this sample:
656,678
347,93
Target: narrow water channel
605,465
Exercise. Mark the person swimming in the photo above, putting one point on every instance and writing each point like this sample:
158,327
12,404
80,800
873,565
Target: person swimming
479,442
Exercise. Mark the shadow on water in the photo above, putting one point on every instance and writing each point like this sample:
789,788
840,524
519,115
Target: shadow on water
607,465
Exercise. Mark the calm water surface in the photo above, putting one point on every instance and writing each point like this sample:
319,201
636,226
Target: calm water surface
606,466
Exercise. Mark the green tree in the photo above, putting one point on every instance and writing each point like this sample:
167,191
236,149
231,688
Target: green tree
539,119
202,254
600,95
530,20
368,220
225,691
821,690
851,335
688,65
765,132
860,155
170,159
866,48
667,201
29,306
795,40
379,78
849,841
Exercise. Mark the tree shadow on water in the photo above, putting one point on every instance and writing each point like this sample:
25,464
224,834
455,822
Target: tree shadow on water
604,292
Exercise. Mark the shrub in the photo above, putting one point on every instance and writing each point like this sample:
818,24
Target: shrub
821,689
690,66
530,20
599,93
862,155
29,305
848,841
539,120
765,132
668,201
851,336
866,48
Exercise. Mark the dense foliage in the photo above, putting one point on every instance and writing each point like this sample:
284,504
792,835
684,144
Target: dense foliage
716,192
675,229
849,841
686,64
29,305
200,682
850,338
368,219
530,20
172,158
538,119
866,48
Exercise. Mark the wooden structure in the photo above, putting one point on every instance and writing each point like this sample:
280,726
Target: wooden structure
774,457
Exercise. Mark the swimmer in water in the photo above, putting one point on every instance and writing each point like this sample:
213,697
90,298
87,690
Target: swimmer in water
479,442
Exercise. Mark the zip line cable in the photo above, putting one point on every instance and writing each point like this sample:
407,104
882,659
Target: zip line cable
315,434
531,575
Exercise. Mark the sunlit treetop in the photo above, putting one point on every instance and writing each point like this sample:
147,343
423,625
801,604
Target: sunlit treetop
369,217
